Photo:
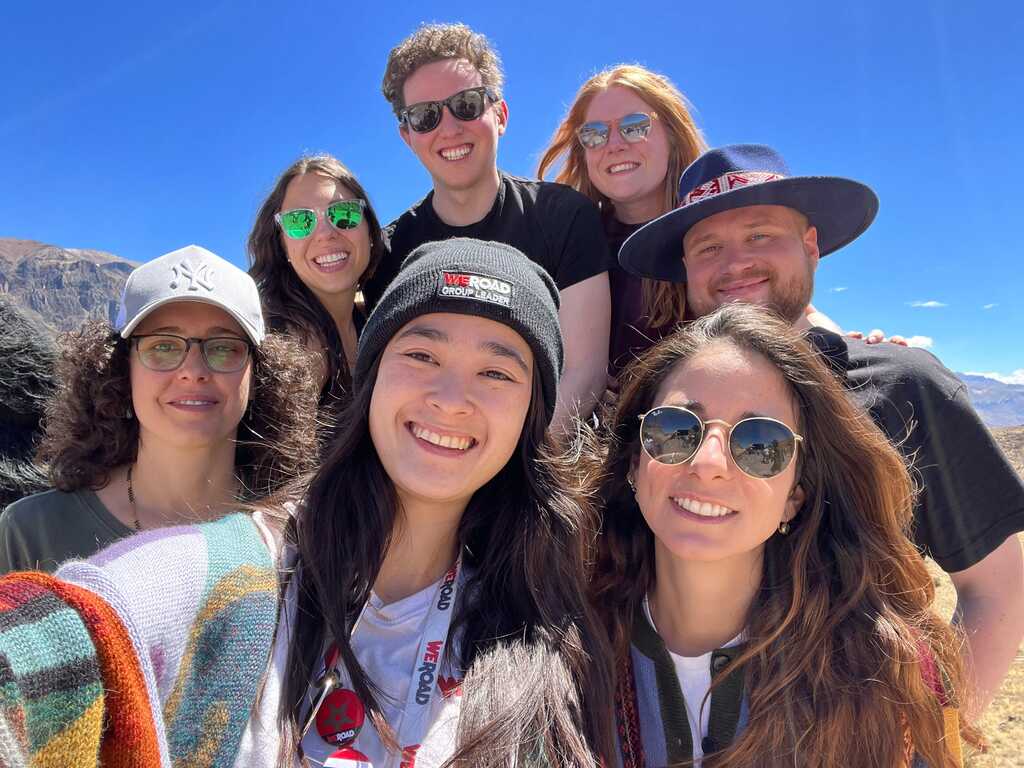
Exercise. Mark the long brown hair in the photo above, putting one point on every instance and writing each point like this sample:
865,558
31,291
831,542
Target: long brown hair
840,629
89,429
288,304
663,301
539,675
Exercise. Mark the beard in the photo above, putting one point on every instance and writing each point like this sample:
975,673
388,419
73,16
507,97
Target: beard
788,298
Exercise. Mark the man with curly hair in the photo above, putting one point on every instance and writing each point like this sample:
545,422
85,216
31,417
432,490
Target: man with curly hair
444,83
26,379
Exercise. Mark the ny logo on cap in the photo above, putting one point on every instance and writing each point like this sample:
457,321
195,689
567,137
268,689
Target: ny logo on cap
198,275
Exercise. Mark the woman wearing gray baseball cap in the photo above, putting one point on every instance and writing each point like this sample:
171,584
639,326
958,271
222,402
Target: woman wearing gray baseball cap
175,415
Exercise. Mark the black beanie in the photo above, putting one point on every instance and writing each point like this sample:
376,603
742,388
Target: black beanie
471,277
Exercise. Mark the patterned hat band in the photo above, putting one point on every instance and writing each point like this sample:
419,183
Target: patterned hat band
727,182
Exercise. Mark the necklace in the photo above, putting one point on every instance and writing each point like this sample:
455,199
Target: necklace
131,499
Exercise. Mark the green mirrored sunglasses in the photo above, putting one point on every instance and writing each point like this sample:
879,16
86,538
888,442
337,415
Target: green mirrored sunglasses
299,223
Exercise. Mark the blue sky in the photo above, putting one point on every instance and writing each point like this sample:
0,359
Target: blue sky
137,128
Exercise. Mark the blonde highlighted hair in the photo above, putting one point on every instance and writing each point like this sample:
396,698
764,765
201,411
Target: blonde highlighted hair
664,302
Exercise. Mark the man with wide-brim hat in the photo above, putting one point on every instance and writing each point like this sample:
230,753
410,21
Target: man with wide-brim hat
748,230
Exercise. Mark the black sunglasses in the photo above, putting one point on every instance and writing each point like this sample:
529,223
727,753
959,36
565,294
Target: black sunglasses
425,116
760,446
166,352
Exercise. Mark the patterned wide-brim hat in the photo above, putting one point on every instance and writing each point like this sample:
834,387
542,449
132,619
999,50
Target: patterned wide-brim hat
741,175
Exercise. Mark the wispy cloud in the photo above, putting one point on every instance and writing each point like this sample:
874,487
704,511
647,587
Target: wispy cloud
928,304
839,289
990,306
924,342
1017,377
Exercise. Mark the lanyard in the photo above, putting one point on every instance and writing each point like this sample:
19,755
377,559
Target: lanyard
423,682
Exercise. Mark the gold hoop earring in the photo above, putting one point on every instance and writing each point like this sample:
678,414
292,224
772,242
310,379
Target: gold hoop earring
632,484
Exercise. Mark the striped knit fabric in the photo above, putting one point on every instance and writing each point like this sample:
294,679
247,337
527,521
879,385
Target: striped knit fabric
175,623
51,691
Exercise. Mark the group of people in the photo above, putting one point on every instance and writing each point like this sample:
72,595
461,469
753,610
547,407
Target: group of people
553,474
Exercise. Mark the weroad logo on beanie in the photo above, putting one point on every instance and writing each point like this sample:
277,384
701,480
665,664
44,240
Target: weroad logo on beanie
466,285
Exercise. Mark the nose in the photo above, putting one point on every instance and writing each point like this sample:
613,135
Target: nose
323,228
449,393
615,140
449,125
194,367
712,457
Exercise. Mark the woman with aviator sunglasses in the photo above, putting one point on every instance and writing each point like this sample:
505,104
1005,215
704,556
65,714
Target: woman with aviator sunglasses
753,570
624,142
315,242
180,413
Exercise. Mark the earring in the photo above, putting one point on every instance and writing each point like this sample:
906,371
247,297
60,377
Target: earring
632,484
784,527
128,412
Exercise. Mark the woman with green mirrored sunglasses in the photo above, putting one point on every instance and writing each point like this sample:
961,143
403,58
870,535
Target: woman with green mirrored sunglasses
315,241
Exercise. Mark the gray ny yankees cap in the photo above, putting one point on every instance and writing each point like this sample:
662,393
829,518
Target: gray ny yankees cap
191,274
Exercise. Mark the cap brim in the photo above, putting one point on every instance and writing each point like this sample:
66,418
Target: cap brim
253,334
840,209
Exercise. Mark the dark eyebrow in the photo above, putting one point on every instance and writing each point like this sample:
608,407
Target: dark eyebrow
426,332
216,330
701,411
496,348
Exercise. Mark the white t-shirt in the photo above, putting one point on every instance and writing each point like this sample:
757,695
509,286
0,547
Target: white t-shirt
694,674
386,642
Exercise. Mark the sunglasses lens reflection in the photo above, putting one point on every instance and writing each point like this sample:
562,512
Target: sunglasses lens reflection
593,135
345,214
299,223
671,436
635,127
762,447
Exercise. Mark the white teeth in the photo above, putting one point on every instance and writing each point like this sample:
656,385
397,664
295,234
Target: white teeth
455,154
619,167
702,508
445,441
331,258
194,402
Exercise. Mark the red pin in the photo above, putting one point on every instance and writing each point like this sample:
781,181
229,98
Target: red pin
340,717
347,757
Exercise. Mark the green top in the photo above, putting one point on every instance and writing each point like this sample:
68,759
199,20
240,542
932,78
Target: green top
41,531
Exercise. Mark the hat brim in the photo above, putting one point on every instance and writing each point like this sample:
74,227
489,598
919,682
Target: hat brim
840,209
254,335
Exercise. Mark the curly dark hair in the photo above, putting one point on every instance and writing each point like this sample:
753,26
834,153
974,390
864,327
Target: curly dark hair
88,429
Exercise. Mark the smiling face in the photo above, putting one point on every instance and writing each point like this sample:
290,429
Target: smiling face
448,406
632,176
759,254
459,155
329,262
191,407
707,509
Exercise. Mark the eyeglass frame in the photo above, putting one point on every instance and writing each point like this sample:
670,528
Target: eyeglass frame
322,213
651,117
189,342
798,439
489,94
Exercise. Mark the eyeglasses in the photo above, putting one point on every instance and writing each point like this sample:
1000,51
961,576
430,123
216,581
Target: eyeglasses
166,352
633,128
466,105
760,446
299,223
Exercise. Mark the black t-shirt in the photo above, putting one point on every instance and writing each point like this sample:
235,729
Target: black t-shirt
631,332
970,499
554,225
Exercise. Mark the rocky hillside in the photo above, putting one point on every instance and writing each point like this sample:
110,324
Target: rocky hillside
61,287
999,404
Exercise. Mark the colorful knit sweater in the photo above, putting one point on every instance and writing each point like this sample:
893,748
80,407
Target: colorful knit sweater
151,653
